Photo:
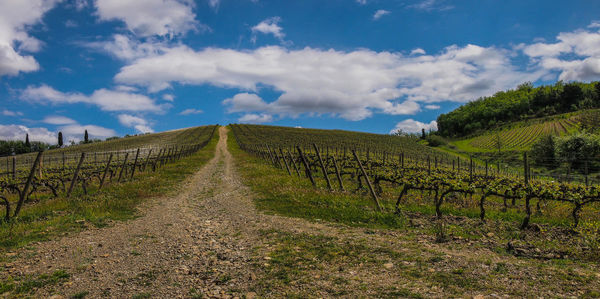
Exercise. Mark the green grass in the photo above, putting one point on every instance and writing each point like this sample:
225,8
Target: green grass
52,217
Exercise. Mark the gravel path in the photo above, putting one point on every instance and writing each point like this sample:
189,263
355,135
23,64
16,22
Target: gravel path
210,241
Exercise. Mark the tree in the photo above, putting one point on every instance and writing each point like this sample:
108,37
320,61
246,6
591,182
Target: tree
543,152
423,133
60,139
27,144
577,149
86,138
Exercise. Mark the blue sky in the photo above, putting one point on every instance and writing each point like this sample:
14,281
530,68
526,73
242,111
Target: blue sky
118,67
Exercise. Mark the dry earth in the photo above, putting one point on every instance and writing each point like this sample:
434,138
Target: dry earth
210,241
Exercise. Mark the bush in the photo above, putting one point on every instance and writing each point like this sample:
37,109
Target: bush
435,140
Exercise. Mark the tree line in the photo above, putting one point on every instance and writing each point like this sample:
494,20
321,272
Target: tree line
521,103
17,147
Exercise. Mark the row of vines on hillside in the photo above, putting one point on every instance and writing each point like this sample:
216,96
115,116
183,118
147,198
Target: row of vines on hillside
59,174
379,171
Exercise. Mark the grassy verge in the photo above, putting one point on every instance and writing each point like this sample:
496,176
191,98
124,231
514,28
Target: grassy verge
49,218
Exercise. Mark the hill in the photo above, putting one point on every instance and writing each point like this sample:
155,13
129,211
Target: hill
523,103
521,135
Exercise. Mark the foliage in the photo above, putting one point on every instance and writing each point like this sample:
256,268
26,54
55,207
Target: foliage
521,103
543,152
435,140
18,147
578,150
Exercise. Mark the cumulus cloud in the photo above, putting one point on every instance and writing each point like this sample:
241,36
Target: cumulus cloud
135,122
150,17
432,107
269,26
380,13
191,111
575,55
18,132
351,85
361,2
255,118
58,120
107,100
168,97
15,18
414,126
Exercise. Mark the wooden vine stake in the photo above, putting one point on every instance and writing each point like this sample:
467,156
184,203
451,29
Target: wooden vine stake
135,163
123,167
323,168
23,194
105,171
306,167
294,163
337,173
362,169
287,167
75,175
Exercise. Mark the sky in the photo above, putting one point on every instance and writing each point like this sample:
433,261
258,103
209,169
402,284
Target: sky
116,67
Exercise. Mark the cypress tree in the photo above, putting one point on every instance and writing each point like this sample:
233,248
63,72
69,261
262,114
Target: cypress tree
85,137
60,139
27,144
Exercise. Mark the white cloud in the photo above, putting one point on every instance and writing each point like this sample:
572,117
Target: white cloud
575,55
361,2
432,107
594,24
269,26
168,97
255,118
150,17
135,122
125,48
6,112
417,51
380,13
15,18
191,111
351,85
431,5
58,120
414,126
81,4
18,132
245,102
107,100
214,3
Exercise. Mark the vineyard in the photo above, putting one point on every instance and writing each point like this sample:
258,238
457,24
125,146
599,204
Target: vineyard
88,168
396,172
521,136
